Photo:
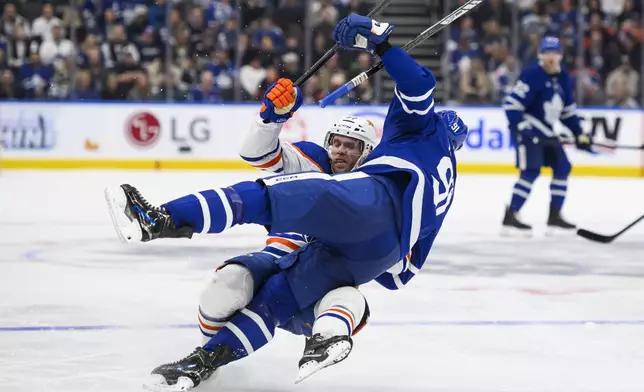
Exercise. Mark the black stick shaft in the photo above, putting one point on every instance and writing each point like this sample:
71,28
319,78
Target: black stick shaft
335,49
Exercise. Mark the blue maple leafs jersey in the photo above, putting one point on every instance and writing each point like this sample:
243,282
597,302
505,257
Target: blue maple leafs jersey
539,100
415,151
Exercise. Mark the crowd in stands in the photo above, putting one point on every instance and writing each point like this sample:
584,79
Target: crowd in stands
197,50
602,42
223,50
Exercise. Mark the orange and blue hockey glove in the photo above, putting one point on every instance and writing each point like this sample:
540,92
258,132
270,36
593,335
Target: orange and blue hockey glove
281,100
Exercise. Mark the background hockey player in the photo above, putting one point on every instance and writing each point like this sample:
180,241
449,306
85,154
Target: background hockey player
389,209
542,96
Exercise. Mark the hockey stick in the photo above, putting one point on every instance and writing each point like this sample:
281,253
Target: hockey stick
335,49
438,26
605,239
612,146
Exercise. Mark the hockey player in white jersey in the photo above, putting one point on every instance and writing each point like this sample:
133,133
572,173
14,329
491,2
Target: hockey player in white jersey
542,96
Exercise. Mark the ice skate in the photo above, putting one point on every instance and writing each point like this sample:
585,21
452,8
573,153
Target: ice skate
557,225
188,372
136,220
513,226
322,351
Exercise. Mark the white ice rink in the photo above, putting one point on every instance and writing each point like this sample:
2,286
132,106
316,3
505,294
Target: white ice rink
81,312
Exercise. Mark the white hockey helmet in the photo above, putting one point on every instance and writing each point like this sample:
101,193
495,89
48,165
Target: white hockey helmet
358,128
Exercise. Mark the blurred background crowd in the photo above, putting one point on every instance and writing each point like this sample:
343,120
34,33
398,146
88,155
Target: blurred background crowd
232,50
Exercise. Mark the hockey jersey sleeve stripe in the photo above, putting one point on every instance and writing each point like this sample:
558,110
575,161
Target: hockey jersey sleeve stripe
274,161
212,320
303,155
260,158
567,115
270,253
275,251
419,98
513,104
275,241
406,104
291,236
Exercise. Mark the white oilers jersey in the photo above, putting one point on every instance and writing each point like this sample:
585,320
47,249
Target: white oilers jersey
264,150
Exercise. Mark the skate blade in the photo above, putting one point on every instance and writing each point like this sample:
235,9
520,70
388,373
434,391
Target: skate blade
158,383
336,353
512,232
127,230
552,232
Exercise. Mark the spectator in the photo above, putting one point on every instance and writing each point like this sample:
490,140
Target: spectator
505,76
324,14
109,23
117,48
621,97
268,35
84,89
8,87
20,48
10,20
250,76
139,21
207,90
111,92
271,77
57,47
141,89
34,76
290,16
538,21
474,84
196,28
219,12
43,25
290,66
356,7
96,69
150,48
588,83
227,37
624,75
128,72
157,14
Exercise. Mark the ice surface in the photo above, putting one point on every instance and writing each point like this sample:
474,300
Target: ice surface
487,313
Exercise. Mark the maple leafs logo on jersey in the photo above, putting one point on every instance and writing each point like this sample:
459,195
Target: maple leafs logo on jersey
552,109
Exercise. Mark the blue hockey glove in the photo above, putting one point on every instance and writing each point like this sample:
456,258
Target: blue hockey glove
358,32
584,142
281,100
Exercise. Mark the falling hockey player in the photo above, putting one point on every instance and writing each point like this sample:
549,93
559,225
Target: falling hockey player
385,213
541,97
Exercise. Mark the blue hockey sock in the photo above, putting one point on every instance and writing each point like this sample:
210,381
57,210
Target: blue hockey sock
522,188
216,210
558,188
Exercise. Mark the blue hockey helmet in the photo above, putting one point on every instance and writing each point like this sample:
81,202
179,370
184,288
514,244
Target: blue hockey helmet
457,130
550,44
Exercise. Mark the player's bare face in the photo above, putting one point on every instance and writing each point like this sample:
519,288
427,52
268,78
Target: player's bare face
344,152
551,61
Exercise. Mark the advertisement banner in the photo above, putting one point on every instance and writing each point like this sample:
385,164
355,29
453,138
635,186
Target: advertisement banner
194,136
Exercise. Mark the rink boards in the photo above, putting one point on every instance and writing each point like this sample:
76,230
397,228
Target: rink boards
204,136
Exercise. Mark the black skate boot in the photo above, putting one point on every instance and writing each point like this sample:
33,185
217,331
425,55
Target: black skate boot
322,351
557,224
511,224
137,220
190,371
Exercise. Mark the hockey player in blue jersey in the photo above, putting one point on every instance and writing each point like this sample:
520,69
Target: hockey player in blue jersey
383,215
541,97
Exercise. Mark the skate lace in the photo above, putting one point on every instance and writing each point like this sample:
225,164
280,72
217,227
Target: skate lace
184,358
146,203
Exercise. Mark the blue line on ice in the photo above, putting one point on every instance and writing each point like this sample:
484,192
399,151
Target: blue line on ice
471,323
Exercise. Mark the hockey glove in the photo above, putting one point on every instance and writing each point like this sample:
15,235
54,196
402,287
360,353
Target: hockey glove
584,142
281,100
358,32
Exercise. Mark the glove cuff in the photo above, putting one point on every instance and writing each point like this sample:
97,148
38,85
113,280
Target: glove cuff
382,47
